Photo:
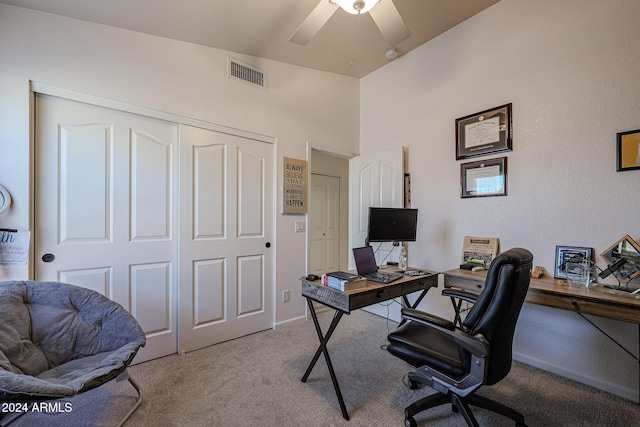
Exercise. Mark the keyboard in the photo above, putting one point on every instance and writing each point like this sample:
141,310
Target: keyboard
383,277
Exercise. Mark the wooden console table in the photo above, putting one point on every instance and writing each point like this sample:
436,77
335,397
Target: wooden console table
346,302
556,293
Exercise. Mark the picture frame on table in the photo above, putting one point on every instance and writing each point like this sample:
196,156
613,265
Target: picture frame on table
484,133
570,261
628,150
484,178
629,250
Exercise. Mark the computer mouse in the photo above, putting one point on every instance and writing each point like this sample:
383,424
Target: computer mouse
313,277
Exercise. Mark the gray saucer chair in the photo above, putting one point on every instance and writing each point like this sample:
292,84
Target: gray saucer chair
58,340
457,361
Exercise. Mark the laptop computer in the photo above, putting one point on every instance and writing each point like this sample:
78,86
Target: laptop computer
367,267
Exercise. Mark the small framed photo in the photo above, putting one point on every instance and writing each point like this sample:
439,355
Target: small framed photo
486,132
484,178
627,249
571,261
628,150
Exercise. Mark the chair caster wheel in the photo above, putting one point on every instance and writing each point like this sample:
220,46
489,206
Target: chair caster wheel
410,422
413,385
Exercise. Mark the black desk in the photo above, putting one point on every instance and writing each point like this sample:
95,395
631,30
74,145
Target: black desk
345,302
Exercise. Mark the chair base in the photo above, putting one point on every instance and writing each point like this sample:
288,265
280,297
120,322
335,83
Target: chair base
10,418
138,401
7,419
461,405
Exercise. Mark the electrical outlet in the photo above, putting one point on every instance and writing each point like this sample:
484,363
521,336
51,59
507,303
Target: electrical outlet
300,227
286,296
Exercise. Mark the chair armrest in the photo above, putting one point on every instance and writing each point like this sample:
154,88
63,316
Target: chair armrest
475,344
460,294
427,319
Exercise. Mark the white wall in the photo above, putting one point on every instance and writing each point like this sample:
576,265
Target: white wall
570,68
299,106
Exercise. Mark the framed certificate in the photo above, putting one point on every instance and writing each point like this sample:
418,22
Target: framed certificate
484,178
483,133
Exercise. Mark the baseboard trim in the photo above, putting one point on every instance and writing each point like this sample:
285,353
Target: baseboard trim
292,320
580,377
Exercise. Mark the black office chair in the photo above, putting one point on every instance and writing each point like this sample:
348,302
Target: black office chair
456,361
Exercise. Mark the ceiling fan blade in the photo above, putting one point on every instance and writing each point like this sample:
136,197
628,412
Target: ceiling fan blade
389,21
312,24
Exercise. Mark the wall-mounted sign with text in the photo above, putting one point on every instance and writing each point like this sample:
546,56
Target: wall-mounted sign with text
14,247
294,186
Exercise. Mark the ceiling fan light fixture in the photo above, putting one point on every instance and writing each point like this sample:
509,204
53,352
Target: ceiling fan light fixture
356,7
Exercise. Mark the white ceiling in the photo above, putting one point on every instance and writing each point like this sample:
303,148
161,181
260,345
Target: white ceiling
347,44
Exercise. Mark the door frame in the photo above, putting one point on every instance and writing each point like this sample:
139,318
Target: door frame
312,199
46,89
332,152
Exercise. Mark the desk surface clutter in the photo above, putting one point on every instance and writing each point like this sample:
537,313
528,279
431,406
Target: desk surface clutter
372,293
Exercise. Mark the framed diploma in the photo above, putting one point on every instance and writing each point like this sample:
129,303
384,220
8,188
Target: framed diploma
484,178
483,133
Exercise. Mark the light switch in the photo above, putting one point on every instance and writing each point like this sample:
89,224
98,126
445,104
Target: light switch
300,227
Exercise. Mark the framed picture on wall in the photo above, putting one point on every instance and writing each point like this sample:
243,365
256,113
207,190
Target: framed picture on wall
628,150
484,178
486,132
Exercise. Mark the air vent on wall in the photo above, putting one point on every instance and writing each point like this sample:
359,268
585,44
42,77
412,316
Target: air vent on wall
247,73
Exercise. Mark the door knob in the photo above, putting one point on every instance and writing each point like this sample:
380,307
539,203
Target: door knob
48,257
268,244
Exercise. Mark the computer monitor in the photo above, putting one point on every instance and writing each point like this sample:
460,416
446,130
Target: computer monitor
392,225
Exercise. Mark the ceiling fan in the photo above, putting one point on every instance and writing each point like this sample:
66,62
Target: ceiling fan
383,12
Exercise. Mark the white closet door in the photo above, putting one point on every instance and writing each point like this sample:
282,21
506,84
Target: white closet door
105,210
226,245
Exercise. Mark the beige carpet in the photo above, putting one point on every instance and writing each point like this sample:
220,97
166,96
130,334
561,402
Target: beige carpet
255,381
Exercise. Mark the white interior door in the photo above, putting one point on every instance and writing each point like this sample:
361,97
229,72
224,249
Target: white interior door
376,179
226,253
324,224
105,210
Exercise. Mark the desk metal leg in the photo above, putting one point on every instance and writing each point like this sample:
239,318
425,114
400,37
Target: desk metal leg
418,301
637,358
322,348
415,304
457,306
